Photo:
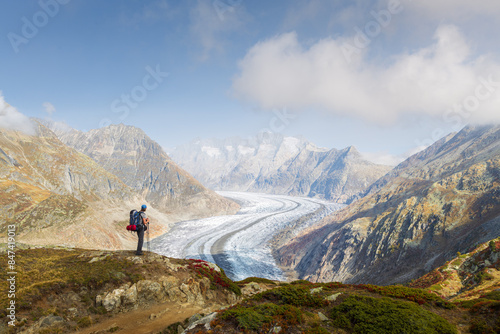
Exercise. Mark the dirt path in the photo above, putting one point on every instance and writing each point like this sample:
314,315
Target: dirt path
151,320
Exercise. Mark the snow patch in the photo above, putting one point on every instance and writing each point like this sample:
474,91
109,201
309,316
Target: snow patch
211,151
245,150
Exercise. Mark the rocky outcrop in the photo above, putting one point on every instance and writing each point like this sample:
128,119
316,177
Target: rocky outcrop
440,201
131,289
274,164
145,293
467,276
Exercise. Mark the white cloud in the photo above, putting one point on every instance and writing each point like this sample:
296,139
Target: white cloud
12,119
150,12
386,158
454,9
59,127
280,72
49,108
211,20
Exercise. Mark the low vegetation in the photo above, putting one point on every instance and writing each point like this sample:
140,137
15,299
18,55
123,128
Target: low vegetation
217,277
297,307
44,271
304,307
362,314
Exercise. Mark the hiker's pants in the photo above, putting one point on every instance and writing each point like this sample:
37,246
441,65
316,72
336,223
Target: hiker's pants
140,236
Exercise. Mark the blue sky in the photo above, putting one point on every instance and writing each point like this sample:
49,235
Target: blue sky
346,72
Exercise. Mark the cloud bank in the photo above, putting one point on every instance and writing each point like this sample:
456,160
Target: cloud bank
455,9
442,80
12,119
211,22
49,108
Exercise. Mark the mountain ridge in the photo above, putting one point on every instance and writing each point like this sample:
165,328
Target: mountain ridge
142,164
434,204
55,194
277,164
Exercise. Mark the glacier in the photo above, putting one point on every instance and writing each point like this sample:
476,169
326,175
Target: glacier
239,243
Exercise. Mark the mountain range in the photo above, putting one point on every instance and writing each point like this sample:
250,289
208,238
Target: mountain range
57,195
440,201
276,164
143,165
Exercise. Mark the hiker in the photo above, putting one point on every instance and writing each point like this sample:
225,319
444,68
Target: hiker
141,228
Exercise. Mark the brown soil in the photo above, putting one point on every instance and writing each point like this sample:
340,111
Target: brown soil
140,322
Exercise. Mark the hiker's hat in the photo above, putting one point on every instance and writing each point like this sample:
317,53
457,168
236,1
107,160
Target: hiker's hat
143,207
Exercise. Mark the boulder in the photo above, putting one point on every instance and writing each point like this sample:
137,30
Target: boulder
205,321
112,301
322,317
333,297
51,320
148,291
130,296
317,290
251,289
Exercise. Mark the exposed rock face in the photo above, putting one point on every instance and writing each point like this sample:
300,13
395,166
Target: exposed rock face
440,201
467,276
146,293
275,164
43,161
141,163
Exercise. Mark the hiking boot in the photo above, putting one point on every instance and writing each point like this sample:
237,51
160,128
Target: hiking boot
141,253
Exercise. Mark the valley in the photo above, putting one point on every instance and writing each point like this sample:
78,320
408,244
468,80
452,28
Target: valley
240,243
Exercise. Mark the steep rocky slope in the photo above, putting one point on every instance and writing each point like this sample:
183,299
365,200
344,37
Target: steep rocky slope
467,276
272,163
54,194
141,163
438,202
43,161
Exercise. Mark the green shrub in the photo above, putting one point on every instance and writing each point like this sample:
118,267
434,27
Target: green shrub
418,296
493,295
292,295
301,282
369,315
255,280
98,310
492,245
480,327
316,330
483,276
84,322
254,318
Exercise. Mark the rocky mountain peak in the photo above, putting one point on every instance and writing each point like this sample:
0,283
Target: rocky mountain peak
141,163
278,164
